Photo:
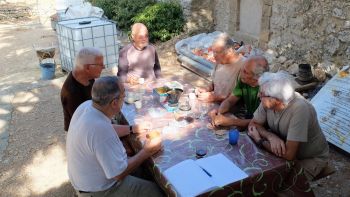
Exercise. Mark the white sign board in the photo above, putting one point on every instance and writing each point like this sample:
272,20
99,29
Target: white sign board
332,104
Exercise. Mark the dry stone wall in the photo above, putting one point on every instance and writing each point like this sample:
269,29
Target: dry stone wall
317,32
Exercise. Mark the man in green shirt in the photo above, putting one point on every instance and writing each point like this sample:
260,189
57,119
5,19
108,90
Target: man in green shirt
246,90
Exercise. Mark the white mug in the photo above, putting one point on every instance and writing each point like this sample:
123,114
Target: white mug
138,104
141,81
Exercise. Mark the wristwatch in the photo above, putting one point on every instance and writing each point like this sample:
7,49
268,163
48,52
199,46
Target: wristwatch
260,142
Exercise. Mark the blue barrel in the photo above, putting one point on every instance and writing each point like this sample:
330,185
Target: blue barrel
47,71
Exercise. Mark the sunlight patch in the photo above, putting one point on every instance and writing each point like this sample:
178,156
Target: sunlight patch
24,97
25,109
48,170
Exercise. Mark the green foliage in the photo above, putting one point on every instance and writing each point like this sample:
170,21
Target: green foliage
122,11
163,20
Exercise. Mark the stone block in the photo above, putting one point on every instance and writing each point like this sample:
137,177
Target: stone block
265,24
268,2
348,52
346,25
344,36
293,69
267,11
264,36
338,13
331,44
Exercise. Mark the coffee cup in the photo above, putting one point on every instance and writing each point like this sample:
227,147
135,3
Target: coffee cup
138,104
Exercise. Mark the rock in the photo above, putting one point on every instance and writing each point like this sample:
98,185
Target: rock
288,63
281,59
320,74
305,5
270,55
293,69
348,52
275,67
330,28
328,67
344,36
338,13
346,25
331,44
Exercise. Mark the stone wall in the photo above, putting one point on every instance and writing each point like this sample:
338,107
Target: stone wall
199,15
311,31
315,32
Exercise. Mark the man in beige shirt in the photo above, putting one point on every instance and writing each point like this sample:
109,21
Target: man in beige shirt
225,75
294,133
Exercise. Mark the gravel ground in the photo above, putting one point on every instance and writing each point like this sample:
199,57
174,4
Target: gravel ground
33,161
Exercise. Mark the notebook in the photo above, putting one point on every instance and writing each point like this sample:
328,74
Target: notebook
194,177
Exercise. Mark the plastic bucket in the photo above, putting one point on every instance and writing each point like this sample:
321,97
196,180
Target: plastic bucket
47,71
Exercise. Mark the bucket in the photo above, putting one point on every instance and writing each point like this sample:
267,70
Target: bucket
47,71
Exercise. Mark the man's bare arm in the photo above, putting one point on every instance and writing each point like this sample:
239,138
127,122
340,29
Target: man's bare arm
228,103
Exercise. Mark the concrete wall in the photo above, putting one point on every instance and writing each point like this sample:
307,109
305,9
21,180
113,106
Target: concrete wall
250,16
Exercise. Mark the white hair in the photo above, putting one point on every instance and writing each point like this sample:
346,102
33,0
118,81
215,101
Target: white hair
87,55
277,85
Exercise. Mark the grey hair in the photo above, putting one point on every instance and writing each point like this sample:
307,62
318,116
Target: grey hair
105,89
225,41
261,66
87,55
277,85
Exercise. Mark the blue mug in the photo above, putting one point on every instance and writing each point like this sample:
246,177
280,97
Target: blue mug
233,136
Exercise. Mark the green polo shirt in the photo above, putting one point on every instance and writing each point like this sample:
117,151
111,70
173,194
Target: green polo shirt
248,94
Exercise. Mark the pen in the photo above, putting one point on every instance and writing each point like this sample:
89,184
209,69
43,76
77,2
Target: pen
206,171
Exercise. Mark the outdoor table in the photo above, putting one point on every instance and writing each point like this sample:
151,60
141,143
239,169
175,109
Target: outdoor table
267,173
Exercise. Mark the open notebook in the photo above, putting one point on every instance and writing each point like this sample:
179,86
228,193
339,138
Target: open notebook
191,178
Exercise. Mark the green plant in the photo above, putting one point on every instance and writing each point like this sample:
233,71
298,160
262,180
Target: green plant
163,20
122,11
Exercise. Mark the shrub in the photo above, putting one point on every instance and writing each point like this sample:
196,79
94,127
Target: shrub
163,20
122,11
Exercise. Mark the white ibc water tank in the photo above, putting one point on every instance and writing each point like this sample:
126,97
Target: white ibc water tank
87,32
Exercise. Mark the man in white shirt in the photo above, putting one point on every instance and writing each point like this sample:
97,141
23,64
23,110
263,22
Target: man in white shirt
97,161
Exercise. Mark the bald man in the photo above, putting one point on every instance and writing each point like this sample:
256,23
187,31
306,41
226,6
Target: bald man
225,75
246,89
138,59
77,86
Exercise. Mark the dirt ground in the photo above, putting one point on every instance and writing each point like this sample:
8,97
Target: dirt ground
32,140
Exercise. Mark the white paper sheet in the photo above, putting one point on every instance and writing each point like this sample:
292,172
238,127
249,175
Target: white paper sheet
223,170
191,178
